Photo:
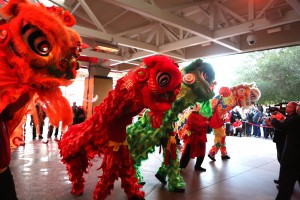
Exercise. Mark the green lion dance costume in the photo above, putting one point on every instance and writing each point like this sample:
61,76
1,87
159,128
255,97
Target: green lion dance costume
197,86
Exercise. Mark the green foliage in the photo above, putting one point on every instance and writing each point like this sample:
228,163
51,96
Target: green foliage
276,73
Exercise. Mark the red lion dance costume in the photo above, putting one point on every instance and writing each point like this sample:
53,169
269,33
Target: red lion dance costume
243,95
38,54
154,84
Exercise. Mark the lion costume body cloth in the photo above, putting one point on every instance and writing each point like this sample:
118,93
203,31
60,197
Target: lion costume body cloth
38,52
154,84
242,95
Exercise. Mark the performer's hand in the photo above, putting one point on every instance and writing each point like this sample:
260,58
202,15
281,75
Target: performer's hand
280,117
272,116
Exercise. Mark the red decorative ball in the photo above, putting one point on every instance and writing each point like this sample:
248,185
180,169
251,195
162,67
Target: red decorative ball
141,75
224,91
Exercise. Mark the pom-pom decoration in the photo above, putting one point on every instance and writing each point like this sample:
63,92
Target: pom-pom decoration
189,78
224,91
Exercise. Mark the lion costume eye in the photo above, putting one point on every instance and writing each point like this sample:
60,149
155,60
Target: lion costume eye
241,91
189,78
36,40
163,79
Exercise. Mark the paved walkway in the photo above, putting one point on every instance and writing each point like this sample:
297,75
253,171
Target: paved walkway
248,175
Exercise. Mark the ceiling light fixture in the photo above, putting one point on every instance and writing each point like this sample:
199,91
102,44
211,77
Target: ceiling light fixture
274,30
107,47
206,44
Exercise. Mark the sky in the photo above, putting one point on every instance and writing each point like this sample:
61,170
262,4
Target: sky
225,67
46,3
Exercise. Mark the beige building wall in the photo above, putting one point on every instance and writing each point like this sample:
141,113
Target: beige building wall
96,89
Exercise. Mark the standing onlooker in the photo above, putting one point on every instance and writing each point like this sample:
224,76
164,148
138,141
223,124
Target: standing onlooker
257,120
249,121
195,139
38,122
267,128
74,109
78,114
228,125
50,132
235,114
290,163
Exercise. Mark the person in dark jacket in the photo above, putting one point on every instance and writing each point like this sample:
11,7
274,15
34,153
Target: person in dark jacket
78,114
279,140
7,185
290,162
257,120
235,114
249,121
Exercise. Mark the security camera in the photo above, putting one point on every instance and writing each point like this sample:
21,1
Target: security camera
251,39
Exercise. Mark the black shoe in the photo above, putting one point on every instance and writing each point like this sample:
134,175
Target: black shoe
276,181
45,142
22,143
142,183
40,137
179,190
161,179
225,157
136,198
201,169
211,157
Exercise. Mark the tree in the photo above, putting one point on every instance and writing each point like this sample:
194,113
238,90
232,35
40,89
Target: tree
276,73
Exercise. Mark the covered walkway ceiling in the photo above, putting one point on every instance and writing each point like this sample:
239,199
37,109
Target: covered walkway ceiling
182,29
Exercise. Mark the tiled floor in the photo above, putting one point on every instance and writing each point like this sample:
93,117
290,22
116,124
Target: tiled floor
248,175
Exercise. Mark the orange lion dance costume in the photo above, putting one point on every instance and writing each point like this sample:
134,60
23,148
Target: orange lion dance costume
38,52
243,95
154,84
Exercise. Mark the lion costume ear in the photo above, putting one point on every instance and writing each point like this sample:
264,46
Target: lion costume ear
11,8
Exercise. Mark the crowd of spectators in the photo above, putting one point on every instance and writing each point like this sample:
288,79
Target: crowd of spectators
249,122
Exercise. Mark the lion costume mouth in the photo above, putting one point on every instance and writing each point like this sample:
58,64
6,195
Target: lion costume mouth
66,69
203,80
199,78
